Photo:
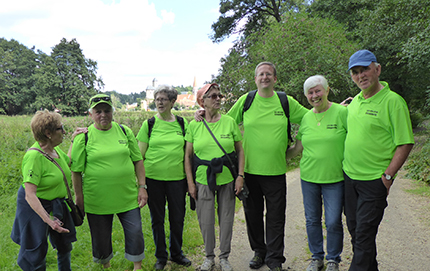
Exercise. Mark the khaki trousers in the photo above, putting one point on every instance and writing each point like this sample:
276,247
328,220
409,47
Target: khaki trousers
205,207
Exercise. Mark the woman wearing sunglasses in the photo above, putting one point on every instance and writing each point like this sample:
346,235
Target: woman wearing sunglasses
41,210
208,174
105,164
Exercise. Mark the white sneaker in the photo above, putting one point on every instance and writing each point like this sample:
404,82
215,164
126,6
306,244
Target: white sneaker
315,265
332,266
207,265
225,265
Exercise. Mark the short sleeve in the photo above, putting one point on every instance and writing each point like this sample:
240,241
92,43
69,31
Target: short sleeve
142,135
78,154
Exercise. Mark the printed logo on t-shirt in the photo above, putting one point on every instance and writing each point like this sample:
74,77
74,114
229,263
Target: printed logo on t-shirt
331,126
179,133
122,141
372,112
227,136
279,113
30,173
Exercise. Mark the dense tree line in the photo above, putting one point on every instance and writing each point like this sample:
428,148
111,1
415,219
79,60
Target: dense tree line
317,37
30,80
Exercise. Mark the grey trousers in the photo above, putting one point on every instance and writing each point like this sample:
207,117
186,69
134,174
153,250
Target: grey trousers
205,207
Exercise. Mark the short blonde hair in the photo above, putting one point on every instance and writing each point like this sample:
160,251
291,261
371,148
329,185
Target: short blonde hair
42,121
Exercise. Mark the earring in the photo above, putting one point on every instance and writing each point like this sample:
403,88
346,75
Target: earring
49,138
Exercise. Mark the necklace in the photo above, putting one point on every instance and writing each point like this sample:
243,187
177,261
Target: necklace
319,120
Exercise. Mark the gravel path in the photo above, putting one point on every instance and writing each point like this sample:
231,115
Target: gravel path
403,240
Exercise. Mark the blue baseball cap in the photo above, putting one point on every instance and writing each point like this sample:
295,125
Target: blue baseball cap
361,58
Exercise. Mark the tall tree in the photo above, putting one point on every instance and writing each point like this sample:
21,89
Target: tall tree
17,69
77,76
254,14
397,31
300,47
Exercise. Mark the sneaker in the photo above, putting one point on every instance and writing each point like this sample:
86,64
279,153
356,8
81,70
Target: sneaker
225,265
315,265
332,266
278,268
207,265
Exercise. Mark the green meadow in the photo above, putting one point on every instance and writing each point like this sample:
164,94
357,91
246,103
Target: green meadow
16,137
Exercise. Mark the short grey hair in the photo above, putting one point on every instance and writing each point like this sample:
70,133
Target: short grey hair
170,91
314,81
374,63
266,63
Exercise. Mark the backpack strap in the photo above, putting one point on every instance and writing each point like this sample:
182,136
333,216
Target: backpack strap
151,122
286,107
181,123
179,119
249,98
122,128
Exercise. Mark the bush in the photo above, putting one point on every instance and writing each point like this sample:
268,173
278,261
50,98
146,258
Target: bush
416,119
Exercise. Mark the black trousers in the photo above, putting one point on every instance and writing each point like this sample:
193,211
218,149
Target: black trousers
271,190
174,193
365,202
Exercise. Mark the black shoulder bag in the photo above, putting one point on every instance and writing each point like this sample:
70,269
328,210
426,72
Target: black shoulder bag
245,192
76,213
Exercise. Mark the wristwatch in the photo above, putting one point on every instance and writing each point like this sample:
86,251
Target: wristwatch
143,186
388,177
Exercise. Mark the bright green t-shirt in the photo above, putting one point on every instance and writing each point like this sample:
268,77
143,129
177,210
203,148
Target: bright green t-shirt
164,158
376,126
226,132
265,138
109,180
48,178
323,145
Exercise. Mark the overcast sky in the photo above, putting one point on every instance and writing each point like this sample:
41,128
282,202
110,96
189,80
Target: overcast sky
133,41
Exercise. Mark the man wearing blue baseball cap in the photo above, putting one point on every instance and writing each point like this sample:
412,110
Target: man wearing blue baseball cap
377,144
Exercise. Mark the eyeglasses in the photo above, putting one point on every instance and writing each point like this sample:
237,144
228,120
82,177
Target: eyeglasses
98,99
214,96
60,128
159,100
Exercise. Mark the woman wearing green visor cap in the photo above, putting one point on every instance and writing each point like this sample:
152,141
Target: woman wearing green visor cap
105,164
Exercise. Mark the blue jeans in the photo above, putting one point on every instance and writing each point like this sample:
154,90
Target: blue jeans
333,196
174,193
101,236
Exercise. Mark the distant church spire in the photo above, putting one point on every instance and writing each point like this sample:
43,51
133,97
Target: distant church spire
195,88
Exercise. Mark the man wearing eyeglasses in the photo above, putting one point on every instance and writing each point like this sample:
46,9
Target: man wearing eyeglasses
265,143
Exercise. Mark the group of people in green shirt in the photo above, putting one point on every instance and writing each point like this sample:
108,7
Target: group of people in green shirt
351,154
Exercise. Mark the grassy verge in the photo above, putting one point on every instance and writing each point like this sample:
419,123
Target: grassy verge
16,137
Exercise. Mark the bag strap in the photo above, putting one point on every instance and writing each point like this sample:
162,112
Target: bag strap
69,194
219,145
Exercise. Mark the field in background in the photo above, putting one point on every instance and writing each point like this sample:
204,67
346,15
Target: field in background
16,137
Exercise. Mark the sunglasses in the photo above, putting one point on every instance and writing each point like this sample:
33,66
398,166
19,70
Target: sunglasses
98,99
214,96
60,128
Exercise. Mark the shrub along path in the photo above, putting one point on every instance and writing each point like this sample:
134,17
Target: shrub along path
403,240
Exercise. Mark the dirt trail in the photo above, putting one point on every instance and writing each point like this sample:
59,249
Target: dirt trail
403,240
